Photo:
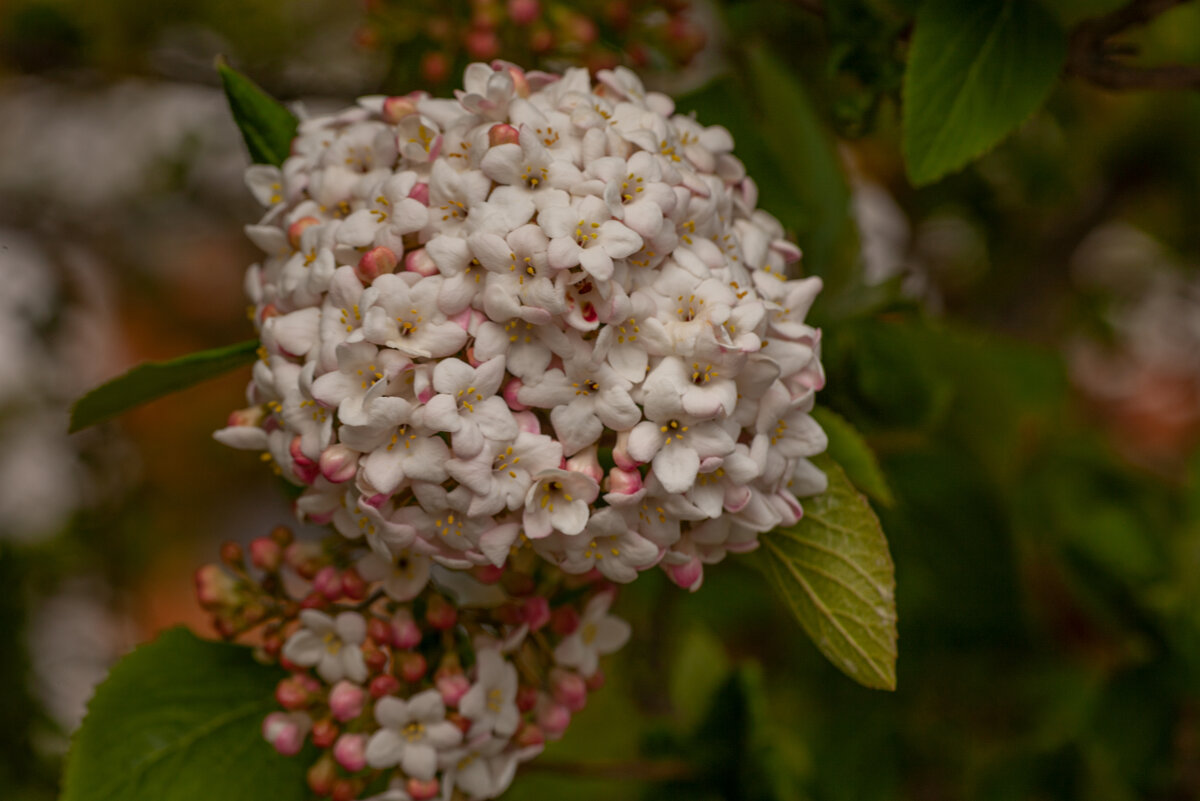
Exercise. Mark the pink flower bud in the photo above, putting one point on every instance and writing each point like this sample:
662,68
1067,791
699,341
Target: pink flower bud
374,263
397,108
328,582
482,43
383,685
536,612
215,587
453,687
511,388
412,666
624,482
487,574
523,12
527,698
346,701
689,575
268,311
553,719
564,620
405,633
420,262
542,40
620,453
528,422
353,585
350,752
346,789
296,230
376,500
502,134
568,689
324,732
250,416
291,694
286,731
581,29
587,462
440,613
322,776
420,193
435,66
338,463
520,81
530,735
305,558
422,790
265,554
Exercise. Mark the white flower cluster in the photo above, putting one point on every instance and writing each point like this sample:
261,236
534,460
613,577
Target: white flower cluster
545,314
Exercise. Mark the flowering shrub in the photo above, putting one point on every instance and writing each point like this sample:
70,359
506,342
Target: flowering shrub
543,315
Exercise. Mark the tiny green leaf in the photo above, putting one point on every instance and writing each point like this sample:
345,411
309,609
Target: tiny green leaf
975,72
848,448
151,380
834,572
180,719
266,124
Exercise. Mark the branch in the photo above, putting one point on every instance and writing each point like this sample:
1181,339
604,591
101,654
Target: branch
637,770
1092,56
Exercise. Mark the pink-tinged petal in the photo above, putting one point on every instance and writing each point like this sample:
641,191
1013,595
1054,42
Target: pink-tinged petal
384,749
676,467
645,440
496,544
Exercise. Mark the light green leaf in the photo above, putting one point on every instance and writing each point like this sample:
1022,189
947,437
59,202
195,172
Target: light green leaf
834,572
266,124
976,70
151,380
848,448
180,719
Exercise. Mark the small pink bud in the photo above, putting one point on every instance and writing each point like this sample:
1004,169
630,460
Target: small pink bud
530,735
511,388
304,557
503,134
375,657
542,40
231,554
517,584
412,666
405,632
435,66
420,193
528,422
250,416
553,719
328,582
453,687
595,681
346,701
383,685
487,574
568,689
420,262
322,776
379,630
324,732
523,12
624,482
353,585
291,694
346,789
215,587
350,752
374,263
286,731
588,463
422,790
397,108
265,554
581,29
376,500
536,611
268,311
482,43
440,613
527,698
338,463
564,620
621,452
296,451
689,575
520,81
314,600
296,230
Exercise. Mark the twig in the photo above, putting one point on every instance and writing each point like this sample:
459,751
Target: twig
1091,55
635,770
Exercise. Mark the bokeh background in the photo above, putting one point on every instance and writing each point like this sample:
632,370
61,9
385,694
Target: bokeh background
1019,343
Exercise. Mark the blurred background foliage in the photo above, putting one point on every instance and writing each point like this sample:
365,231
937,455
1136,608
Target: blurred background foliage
1019,342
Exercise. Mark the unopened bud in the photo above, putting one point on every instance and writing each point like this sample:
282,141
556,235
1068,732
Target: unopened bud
503,134
286,731
528,422
568,689
536,612
422,790
324,732
412,666
624,482
373,655
440,613
374,263
419,262
346,789
305,558
250,416
350,752
435,66
291,694
265,554
353,585
405,632
564,620
482,43
383,685
346,701
397,108
487,574
530,735
420,193
453,687
231,554
587,462
689,575
596,680
215,588
523,12
553,718
322,775
328,582
511,388
620,452
527,698
296,230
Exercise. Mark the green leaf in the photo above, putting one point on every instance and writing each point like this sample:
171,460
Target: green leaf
834,572
848,448
976,70
180,719
151,380
266,124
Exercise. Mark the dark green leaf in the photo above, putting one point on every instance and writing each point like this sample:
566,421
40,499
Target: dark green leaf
180,719
151,380
975,72
266,124
834,572
848,448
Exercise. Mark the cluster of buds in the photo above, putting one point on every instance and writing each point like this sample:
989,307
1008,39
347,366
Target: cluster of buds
429,683
440,38
543,316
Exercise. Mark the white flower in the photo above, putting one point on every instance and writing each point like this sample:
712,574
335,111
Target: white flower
585,234
413,733
481,771
491,703
558,500
610,546
331,644
467,405
599,633
403,576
